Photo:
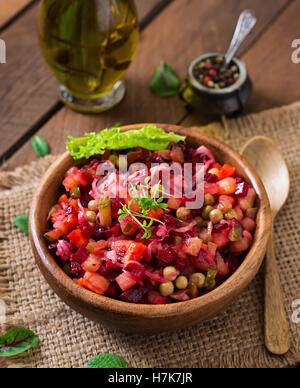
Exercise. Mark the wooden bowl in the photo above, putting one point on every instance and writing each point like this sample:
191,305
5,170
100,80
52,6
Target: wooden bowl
140,318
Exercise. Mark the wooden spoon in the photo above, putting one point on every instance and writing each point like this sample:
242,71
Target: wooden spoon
268,161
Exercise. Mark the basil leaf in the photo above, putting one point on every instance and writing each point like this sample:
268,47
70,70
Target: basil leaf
22,223
164,82
107,361
16,341
40,146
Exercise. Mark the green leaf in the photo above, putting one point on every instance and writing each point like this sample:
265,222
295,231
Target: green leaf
17,341
150,137
163,205
40,146
22,223
164,82
107,361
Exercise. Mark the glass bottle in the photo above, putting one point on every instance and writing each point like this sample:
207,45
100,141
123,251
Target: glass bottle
89,46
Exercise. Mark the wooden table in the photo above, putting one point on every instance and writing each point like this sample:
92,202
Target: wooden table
174,30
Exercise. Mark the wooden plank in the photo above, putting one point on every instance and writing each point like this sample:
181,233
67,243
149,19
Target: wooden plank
28,90
10,8
275,77
178,34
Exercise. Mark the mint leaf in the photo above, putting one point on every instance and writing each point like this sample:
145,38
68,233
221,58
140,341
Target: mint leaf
164,82
16,341
107,361
150,137
22,223
40,146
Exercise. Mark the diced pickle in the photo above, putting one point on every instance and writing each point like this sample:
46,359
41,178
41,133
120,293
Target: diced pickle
210,281
193,290
105,212
236,233
75,192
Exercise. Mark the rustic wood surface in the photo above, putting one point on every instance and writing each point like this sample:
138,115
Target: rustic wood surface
176,31
11,8
140,104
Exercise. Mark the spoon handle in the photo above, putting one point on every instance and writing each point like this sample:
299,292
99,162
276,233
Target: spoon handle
277,338
246,22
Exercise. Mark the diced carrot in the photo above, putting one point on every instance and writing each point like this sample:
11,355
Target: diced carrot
53,235
78,239
226,171
74,204
156,214
63,199
94,282
135,252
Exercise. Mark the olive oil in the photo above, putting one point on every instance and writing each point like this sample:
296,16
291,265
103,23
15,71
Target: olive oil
88,44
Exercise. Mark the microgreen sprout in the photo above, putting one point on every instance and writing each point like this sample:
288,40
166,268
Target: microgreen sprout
146,202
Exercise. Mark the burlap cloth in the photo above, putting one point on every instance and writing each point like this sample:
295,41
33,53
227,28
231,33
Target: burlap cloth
234,338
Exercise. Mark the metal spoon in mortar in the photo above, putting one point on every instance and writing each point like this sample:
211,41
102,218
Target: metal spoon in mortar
245,24
268,161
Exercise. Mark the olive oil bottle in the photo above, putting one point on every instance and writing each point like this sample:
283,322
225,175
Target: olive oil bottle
89,45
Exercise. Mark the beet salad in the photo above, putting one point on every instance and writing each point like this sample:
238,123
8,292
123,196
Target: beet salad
123,234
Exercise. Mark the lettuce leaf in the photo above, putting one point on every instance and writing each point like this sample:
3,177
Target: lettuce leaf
150,137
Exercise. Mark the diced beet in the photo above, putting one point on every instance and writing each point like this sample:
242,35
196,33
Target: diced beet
224,251
202,255
134,295
220,226
144,156
115,207
84,200
114,290
160,300
114,230
169,221
157,159
241,189
75,267
233,263
53,246
70,210
100,233
109,270
220,239
210,178
167,255
81,254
